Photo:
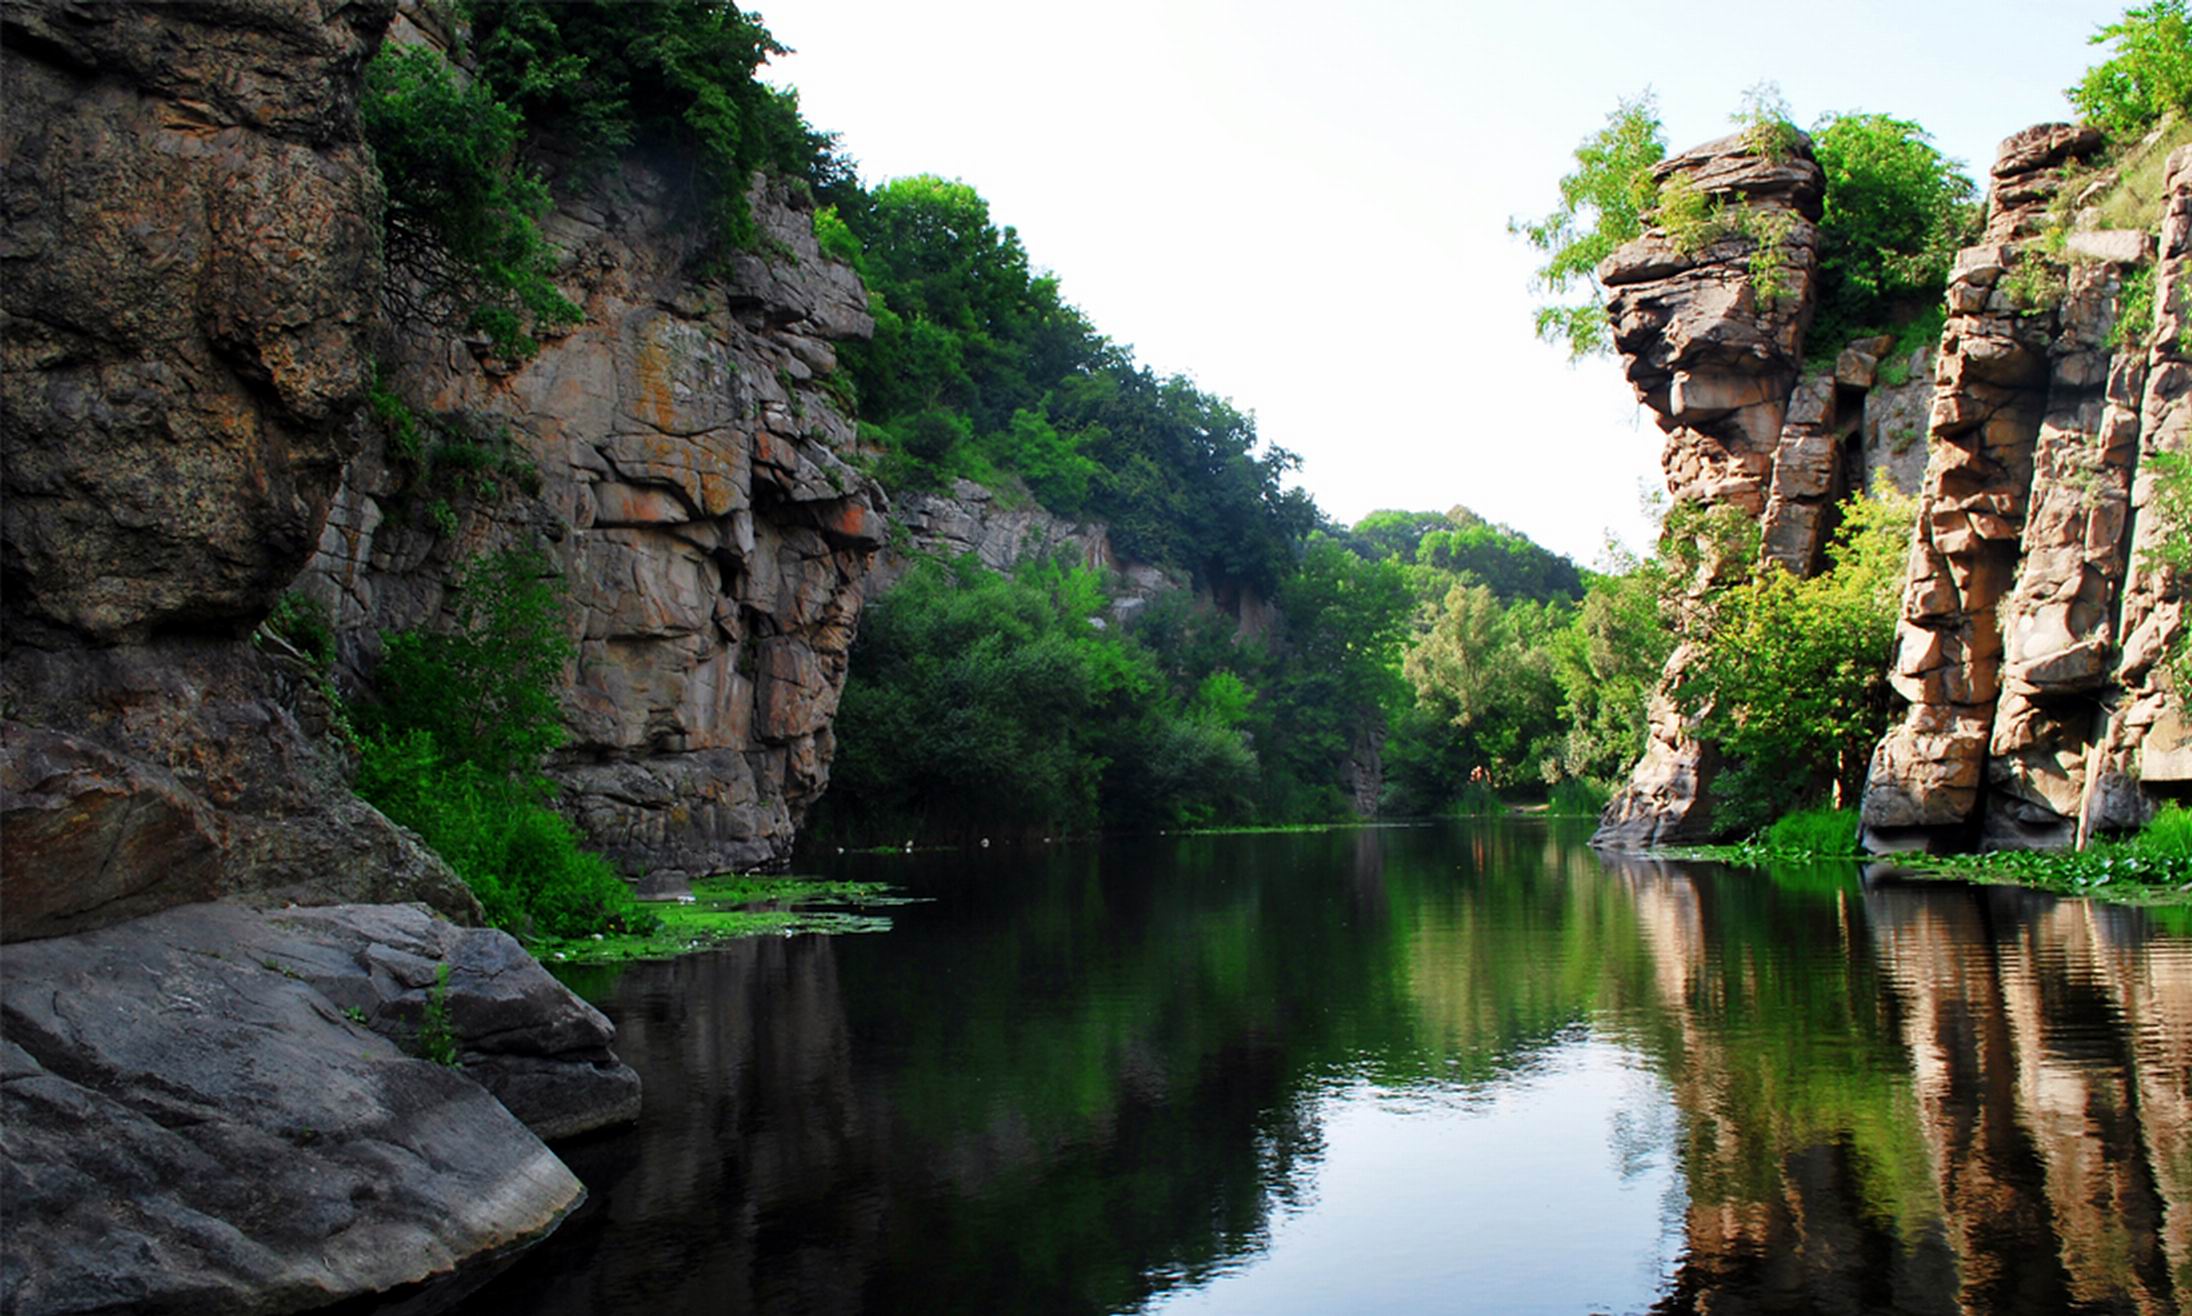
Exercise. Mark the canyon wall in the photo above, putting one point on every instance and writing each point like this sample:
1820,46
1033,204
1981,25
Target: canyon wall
191,273
2035,708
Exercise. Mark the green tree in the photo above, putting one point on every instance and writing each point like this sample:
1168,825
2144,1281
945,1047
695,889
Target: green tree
1603,202
1790,681
678,78
2149,76
1896,212
1607,662
463,214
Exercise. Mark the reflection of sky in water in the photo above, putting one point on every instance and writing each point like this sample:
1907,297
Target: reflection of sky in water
1443,1199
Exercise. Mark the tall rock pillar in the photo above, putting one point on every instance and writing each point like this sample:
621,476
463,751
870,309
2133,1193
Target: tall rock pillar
1717,364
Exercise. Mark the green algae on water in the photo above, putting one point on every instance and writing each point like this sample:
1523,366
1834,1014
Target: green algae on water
729,907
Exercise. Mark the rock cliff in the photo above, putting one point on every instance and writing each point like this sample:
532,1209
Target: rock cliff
1717,366
191,275
692,492
2036,708
2036,712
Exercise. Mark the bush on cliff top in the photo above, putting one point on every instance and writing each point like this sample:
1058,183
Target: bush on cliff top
1895,212
2149,76
677,79
462,224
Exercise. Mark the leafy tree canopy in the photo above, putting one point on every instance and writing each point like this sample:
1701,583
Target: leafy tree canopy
1603,202
2149,76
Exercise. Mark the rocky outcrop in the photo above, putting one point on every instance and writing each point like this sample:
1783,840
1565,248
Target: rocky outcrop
1716,365
692,491
190,269
2013,655
261,1142
2146,732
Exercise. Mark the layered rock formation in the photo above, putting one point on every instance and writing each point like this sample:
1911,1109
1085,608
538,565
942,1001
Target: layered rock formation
2034,623
1717,366
191,271
693,496
2011,653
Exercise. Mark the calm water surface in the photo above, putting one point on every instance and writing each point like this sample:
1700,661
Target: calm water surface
1447,1069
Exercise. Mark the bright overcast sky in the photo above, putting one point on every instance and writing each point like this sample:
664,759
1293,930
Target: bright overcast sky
1304,207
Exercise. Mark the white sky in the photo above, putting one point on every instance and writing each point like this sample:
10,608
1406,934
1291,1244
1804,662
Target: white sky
1304,206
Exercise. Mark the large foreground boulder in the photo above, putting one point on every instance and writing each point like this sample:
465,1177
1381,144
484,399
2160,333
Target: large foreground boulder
215,1109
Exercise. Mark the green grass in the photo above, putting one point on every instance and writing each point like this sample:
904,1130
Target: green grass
2151,868
1573,797
726,908
2135,200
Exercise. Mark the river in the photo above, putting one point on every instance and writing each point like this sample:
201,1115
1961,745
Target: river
1456,1068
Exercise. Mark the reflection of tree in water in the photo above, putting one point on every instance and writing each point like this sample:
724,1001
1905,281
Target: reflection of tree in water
1072,1083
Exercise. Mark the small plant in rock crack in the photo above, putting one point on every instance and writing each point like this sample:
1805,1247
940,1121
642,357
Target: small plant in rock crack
437,1039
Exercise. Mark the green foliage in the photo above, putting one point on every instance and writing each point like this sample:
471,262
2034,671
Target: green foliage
1895,214
981,703
453,745
1922,330
835,237
2148,76
2153,866
1573,797
2136,315
1458,542
484,688
2136,197
2170,504
979,370
675,78
1608,661
2036,284
1487,671
1602,205
1763,117
304,623
1816,833
1789,681
463,212
437,1037
1477,799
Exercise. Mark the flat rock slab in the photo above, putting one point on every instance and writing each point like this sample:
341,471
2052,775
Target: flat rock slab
193,1119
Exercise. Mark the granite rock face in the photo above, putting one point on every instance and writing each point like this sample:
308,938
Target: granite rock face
189,276
2145,734
692,492
191,265
1718,370
2025,678
211,1109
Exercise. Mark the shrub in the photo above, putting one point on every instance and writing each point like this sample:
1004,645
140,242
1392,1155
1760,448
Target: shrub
453,745
2149,75
1602,205
1478,799
463,213
1573,797
1827,833
1789,677
485,688
678,77
1895,213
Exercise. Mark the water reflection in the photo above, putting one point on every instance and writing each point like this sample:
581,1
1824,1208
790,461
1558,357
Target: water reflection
1444,1069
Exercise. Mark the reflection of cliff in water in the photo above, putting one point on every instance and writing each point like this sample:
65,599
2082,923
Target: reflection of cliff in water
2002,1124
1083,1078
